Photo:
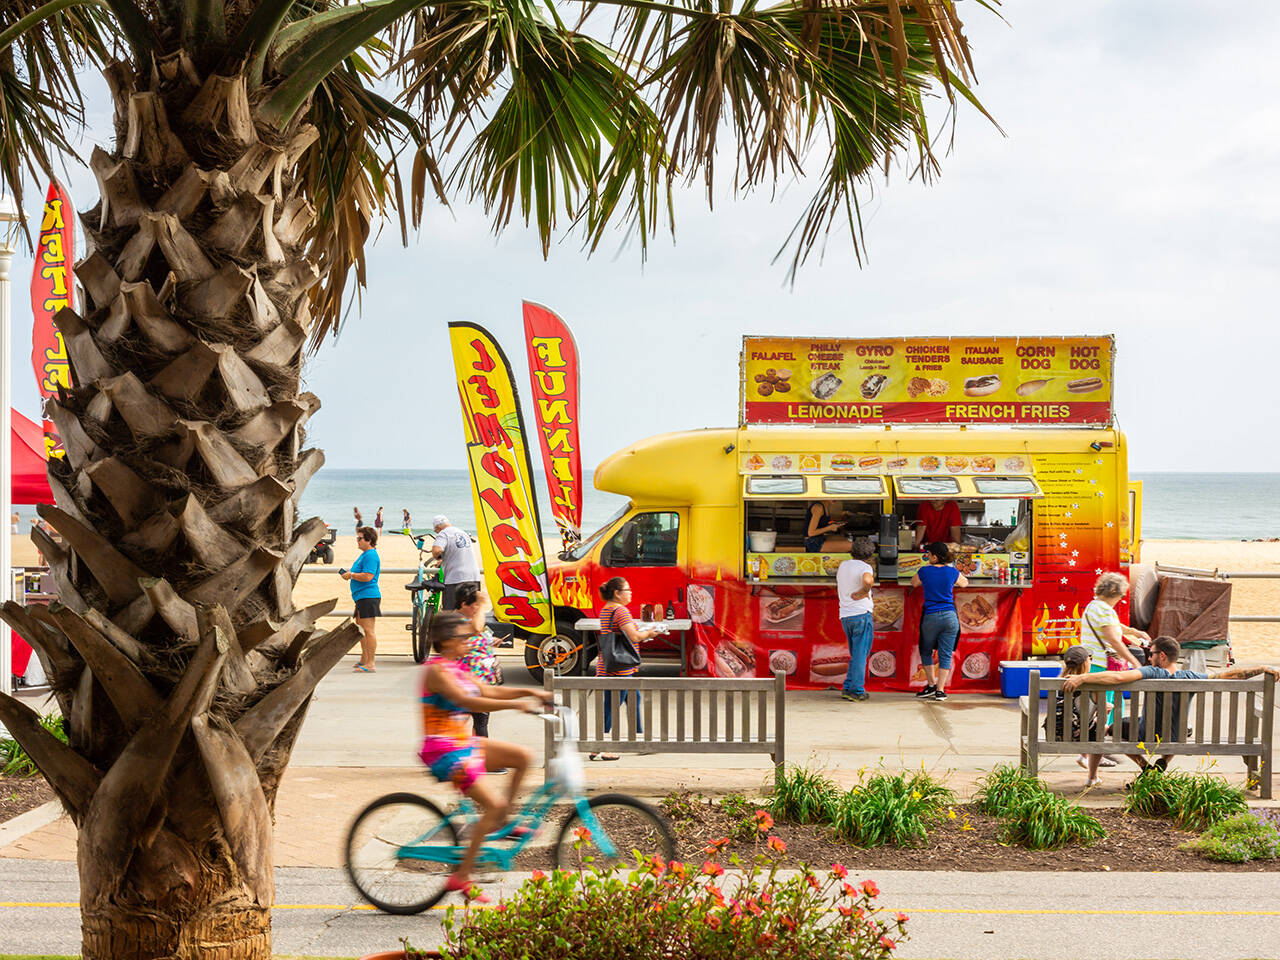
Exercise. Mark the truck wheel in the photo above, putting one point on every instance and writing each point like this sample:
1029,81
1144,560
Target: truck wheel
327,556
563,653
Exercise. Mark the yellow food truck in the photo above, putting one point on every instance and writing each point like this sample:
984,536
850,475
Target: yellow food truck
739,530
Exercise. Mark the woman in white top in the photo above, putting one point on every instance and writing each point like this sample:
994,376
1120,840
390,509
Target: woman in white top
1101,631
1103,635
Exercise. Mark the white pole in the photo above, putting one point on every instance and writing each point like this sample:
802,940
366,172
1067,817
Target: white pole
6,456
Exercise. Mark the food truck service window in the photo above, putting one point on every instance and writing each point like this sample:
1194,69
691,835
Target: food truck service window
860,487
1006,487
776,486
646,540
926,488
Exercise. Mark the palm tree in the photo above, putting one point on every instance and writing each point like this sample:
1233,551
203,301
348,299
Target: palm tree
256,144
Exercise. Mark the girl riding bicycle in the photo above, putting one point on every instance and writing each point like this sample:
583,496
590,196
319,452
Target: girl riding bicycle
450,694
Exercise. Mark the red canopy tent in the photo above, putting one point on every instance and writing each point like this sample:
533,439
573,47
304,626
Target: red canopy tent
30,485
30,482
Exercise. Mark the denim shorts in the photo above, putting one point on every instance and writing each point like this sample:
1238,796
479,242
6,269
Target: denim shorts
939,632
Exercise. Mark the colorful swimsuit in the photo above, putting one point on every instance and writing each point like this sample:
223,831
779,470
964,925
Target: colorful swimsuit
448,749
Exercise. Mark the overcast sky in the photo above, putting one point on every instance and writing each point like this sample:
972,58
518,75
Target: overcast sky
1135,192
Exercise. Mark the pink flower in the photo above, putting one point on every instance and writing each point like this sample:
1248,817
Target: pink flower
839,871
712,921
848,890
887,943
655,866
764,822
676,868
715,846
712,869
901,918
870,889
766,940
845,911
753,907
538,876
787,922
811,880
776,845
582,833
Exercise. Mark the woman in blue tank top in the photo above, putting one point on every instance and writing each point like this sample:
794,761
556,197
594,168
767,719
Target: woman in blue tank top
939,623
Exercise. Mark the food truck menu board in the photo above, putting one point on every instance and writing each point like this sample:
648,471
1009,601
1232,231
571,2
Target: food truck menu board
1035,380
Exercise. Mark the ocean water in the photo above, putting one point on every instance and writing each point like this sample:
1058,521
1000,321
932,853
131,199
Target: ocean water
1176,506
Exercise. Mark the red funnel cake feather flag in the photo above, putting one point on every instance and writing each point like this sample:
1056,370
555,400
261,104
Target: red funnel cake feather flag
553,371
52,283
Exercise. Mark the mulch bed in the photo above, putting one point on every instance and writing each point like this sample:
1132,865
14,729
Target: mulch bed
1132,843
20,794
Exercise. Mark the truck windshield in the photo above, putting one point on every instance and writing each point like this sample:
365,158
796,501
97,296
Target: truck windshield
584,546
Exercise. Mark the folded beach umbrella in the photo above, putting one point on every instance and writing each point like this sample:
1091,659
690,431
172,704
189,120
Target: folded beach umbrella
26,447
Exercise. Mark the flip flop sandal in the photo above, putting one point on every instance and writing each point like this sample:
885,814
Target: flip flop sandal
1107,761
465,887
602,756
363,669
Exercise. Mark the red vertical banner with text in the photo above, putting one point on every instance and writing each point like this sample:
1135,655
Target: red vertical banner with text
553,372
515,565
52,283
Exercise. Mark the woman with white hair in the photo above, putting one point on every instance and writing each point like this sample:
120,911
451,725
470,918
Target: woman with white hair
1103,635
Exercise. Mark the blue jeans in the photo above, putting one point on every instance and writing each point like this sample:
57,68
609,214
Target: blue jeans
858,631
622,700
939,631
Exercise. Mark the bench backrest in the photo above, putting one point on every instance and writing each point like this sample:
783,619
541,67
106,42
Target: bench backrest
1216,711
684,714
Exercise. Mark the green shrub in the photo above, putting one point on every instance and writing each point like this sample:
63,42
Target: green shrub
1239,839
1005,788
1193,801
680,807
14,761
801,795
1045,821
892,809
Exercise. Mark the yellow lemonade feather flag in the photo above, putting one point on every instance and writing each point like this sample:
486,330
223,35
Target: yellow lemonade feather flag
515,566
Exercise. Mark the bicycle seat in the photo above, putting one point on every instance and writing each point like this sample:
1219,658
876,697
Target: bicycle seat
433,586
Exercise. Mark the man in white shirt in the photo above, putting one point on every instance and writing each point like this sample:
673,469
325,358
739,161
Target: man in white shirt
854,579
453,549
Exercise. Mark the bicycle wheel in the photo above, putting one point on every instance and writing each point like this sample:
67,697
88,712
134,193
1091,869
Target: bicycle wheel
420,624
380,836
631,826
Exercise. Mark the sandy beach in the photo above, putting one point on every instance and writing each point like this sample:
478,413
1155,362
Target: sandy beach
1250,641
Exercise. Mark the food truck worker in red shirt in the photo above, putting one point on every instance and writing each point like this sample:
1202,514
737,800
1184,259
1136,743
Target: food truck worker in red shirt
937,521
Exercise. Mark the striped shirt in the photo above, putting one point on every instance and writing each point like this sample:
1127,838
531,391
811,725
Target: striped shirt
612,619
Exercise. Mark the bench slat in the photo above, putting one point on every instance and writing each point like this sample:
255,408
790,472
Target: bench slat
1200,719
663,702
762,710
1217,717
1231,717
681,696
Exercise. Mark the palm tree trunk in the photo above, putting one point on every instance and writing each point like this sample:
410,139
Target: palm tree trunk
175,650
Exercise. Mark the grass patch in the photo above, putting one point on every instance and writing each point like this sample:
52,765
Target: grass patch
1005,788
890,809
1045,821
801,795
1194,801
14,761
1240,838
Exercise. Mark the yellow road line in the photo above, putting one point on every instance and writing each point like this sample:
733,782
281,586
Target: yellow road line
978,911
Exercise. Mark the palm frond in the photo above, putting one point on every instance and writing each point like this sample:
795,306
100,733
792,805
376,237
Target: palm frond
571,135
352,177
41,102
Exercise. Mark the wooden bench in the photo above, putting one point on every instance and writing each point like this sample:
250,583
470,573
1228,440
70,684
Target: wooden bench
679,714
1227,718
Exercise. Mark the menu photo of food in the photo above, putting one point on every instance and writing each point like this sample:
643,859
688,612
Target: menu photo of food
784,660
882,663
701,602
977,611
828,663
887,610
975,666
781,613
754,462
733,658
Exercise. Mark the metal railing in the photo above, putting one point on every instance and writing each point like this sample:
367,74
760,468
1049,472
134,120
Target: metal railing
1216,574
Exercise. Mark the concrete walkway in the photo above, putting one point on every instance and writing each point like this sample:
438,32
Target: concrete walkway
360,741
983,916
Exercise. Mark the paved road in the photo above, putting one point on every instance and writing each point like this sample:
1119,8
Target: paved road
985,916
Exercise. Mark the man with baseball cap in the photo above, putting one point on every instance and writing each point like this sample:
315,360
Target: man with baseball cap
453,549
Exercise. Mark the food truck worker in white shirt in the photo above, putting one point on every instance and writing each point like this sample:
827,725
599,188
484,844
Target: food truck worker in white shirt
854,579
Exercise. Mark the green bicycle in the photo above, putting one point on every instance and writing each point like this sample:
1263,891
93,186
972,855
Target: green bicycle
402,848
425,592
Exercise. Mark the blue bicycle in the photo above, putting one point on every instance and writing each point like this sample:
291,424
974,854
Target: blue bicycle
402,847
